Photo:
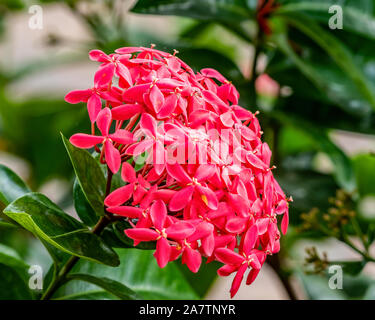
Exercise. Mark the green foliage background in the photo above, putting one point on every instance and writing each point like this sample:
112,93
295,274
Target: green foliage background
330,78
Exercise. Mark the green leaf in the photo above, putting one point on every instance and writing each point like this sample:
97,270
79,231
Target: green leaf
13,285
36,213
328,77
224,10
316,288
139,272
11,185
89,175
352,268
112,286
339,53
355,20
364,167
83,208
7,224
11,258
201,281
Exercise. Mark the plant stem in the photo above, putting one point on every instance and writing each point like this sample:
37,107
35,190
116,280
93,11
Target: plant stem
275,263
97,229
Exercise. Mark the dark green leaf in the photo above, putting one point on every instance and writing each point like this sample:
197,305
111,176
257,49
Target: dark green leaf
339,53
12,285
89,175
354,19
112,286
352,268
36,213
11,185
223,10
138,271
11,258
83,208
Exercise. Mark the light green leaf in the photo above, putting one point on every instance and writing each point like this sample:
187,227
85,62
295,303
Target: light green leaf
364,167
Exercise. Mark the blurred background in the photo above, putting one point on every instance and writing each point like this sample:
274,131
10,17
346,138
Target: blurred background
310,76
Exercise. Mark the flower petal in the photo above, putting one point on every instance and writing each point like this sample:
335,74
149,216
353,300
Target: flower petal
163,252
148,125
112,156
122,136
128,173
228,256
237,280
142,234
158,214
104,75
180,230
85,141
103,121
192,259
119,196
77,96
126,111
126,211
94,105
181,198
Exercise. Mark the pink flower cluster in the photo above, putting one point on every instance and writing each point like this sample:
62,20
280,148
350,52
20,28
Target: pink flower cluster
220,200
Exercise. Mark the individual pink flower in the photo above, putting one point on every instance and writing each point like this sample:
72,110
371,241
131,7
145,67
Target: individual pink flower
161,232
112,154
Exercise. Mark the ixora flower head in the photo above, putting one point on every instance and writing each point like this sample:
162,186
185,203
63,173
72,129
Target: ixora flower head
203,184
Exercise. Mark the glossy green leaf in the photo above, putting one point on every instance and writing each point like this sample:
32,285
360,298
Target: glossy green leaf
13,285
339,53
355,20
114,287
36,213
11,258
89,175
138,271
333,83
223,10
85,212
201,281
11,185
